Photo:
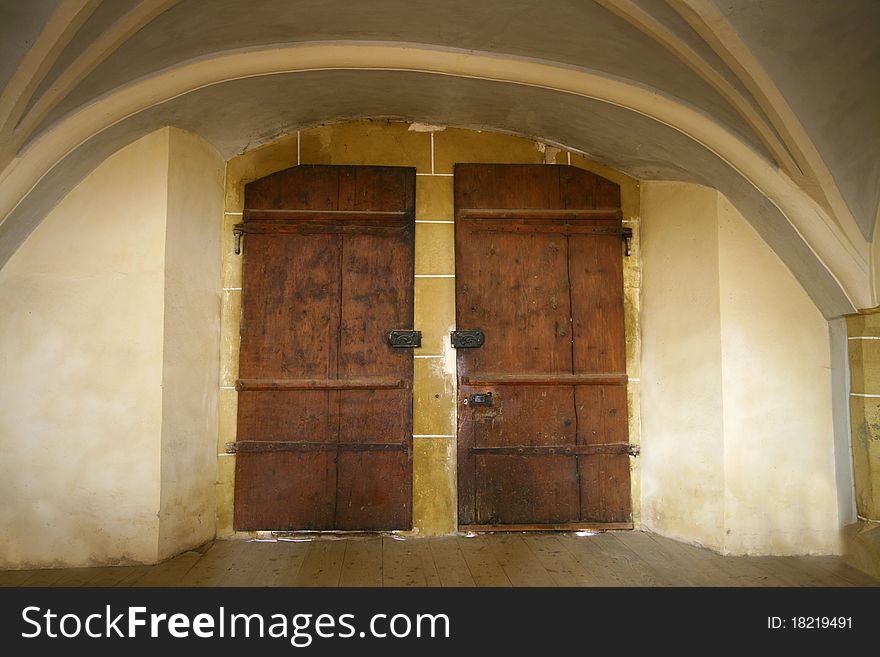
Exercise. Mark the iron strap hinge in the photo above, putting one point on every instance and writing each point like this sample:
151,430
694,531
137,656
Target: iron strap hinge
238,231
276,446
559,450
627,235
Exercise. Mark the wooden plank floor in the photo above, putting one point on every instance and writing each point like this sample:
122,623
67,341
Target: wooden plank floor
503,559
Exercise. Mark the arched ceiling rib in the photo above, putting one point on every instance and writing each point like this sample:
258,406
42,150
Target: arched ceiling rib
251,111
99,22
712,87
22,23
572,32
829,75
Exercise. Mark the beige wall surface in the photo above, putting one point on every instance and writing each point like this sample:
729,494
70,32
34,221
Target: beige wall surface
109,343
682,460
190,374
81,308
780,487
736,385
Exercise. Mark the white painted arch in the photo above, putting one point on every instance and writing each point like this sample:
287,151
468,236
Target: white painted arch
846,258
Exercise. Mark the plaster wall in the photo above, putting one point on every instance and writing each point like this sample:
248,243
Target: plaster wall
191,343
739,451
81,348
109,342
682,458
780,491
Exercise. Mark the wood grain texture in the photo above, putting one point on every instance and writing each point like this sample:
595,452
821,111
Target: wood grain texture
539,269
595,378
616,558
375,383
322,565
520,214
483,563
362,563
328,271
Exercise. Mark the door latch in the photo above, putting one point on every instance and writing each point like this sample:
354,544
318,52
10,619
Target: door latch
479,399
401,339
468,339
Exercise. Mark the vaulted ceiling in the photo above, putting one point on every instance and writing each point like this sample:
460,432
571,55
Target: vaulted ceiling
774,103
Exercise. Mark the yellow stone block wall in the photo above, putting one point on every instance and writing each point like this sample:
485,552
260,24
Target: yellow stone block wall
863,538
864,403
433,153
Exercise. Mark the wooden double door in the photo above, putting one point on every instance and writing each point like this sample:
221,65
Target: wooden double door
325,391
325,402
542,416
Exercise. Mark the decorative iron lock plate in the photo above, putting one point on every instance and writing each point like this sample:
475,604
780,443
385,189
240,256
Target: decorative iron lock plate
404,339
468,339
480,399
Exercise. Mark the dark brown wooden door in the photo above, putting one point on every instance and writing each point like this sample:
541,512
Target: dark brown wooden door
539,269
325,403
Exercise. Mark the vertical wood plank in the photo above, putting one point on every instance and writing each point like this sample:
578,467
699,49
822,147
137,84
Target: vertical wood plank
549,298
46,577
836,570
112,576
520,564
13,578
172,572
483,563
283,568
429,563
318,299
248,559
402,565
604,563
362,563
76,577
557,561
323,564
193,569
657,558
452,568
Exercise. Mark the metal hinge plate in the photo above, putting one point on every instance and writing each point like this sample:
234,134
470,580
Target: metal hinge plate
468,339
405,339
627,235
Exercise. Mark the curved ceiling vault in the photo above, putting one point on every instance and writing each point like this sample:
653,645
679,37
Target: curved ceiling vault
708,92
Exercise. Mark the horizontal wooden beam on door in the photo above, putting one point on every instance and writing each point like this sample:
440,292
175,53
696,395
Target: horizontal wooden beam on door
338,227
559,450
595,379
543,214
537,227
263,446
264,214
248,385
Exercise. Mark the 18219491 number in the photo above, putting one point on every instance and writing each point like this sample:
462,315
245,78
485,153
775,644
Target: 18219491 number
809,623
